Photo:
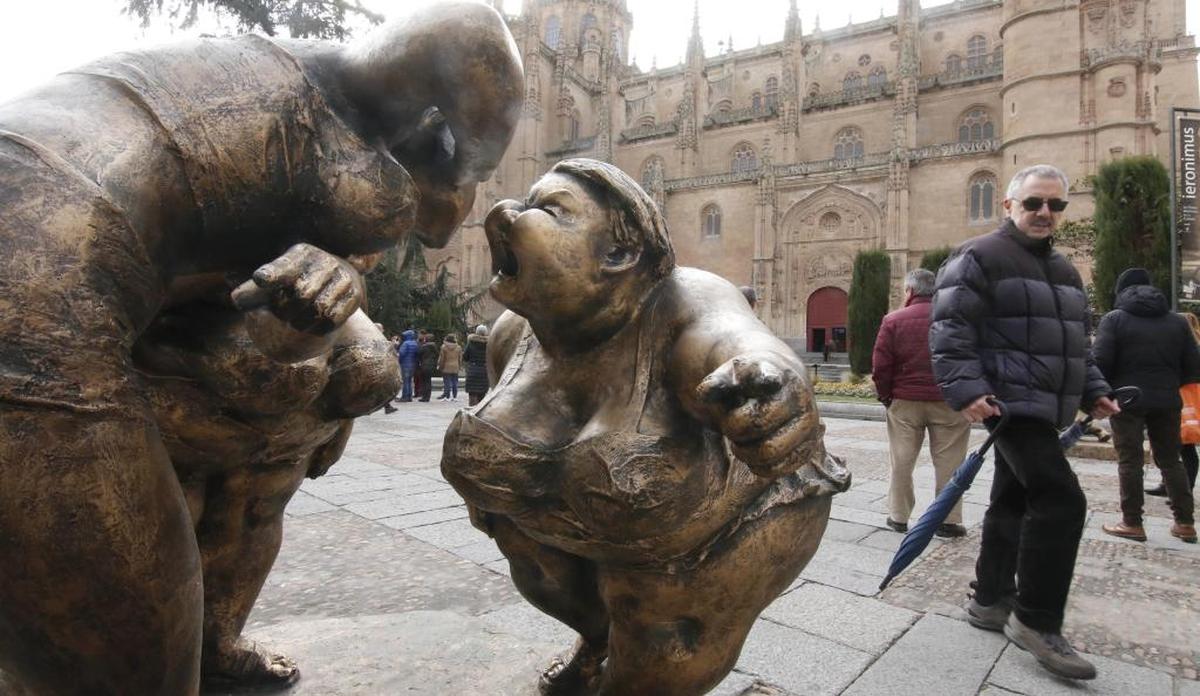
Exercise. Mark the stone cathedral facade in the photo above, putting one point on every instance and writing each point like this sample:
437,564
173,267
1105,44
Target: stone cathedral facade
775,164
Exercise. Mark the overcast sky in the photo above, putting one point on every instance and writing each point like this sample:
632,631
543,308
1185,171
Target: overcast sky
39,38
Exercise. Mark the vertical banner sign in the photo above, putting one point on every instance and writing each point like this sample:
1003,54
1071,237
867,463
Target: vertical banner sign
1187,198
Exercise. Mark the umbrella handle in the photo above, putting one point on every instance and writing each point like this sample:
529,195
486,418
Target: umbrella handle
1126,397
999,426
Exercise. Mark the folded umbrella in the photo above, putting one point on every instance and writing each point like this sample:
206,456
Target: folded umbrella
919,534
1126,396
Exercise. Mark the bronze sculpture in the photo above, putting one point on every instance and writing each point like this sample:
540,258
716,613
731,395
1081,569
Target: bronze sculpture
134,193
650,459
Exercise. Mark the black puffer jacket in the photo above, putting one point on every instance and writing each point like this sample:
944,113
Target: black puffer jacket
1143,344
475,356
1010,318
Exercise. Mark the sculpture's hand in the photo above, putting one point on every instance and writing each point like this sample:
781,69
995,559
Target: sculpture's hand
311,290
762,405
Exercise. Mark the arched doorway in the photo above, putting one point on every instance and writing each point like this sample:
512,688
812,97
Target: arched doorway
826,318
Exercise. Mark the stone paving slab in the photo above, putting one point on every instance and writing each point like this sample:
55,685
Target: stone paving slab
1019,672
937,656
798,662
858,622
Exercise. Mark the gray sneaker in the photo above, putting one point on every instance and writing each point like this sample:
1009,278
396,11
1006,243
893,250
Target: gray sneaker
989,618
1051,650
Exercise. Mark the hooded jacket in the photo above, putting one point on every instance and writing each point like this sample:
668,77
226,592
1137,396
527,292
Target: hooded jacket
450,357
475,355
1010,318
900,364
1142,343
408,350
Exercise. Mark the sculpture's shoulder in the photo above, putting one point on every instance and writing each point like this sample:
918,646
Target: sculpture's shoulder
688,294
502,342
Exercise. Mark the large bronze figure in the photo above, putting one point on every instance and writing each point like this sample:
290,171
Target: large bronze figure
650,459
135,192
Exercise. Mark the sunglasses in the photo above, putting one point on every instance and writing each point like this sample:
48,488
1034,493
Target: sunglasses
1035,203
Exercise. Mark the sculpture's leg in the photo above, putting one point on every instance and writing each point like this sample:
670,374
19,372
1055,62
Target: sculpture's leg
239,534
680,634
563,586
100,587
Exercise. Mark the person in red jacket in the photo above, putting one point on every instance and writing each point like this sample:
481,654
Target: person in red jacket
903,374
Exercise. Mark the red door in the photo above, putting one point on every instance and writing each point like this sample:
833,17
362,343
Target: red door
827,320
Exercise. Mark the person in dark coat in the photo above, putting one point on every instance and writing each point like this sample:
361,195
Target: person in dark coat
407,355
427,362
1010,322
475,356
903,377
1191,460
1141,343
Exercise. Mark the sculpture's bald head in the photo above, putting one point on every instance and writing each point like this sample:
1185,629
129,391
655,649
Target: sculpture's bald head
440,89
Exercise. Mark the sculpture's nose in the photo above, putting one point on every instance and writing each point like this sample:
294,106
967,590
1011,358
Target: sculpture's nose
501,217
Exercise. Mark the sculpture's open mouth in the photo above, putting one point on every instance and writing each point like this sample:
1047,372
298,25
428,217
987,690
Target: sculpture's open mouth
504,261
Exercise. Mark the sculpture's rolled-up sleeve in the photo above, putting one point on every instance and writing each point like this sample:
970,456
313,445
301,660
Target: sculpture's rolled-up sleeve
960,305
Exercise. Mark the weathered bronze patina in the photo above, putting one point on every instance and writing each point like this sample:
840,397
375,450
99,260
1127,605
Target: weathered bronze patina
650,459
135,192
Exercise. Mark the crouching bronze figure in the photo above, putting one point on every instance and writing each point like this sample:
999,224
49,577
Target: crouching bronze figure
135,192
650,459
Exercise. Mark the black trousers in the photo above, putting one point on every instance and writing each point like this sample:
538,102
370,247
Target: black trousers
1032,528
1191,463
1162,427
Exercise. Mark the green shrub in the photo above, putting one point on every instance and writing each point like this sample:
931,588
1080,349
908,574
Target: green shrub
869,289
1133,224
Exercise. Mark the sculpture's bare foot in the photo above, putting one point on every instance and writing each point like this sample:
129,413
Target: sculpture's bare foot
573,677
249,666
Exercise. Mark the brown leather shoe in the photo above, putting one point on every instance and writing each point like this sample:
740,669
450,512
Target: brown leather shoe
1185,532
1126,531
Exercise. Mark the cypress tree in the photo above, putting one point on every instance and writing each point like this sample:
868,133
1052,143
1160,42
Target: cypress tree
869,289
1133,224
933,259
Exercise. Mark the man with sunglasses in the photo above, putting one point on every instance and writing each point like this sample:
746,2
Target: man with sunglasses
1010,323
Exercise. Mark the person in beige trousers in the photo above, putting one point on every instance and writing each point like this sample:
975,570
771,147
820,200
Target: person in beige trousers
903,375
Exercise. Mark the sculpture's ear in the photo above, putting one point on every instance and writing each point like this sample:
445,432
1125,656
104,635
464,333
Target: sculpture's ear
621,257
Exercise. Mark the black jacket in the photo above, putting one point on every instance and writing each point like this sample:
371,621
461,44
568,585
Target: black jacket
427,356
475,356
1143,344
1010,318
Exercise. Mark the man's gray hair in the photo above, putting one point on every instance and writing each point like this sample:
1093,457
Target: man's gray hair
920,281
1040,171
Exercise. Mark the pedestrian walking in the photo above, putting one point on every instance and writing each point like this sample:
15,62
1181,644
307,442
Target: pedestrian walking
1010,322
903,374
1141,343
428,360
407,355
449,363
475,356
1191,461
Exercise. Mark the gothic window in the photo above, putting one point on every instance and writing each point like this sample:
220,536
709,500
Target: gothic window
588,22
573,125
878,77
977,52
772,91
982,197
553,30
848,144
998,55
953,63
618,45
756,101
710,221
852,81
652,172
744,158
975,125
830,222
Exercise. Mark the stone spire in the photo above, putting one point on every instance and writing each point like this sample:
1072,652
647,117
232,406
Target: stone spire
792,30
695,47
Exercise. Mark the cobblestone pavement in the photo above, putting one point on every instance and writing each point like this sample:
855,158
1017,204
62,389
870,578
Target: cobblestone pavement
383,587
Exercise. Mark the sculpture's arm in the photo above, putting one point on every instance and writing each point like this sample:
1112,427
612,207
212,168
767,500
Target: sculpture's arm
731,373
